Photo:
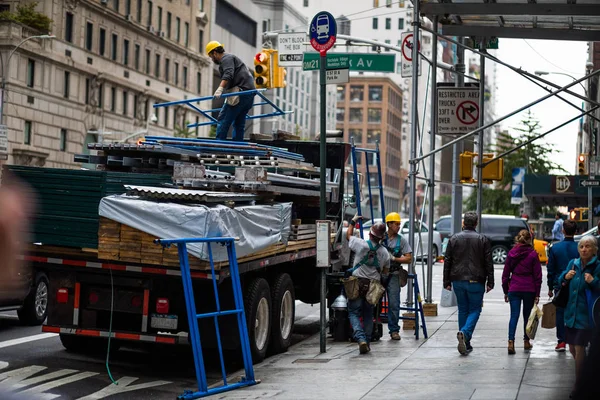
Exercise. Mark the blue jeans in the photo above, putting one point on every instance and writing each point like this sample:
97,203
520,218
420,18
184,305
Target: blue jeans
235,115
358,308
469,296
515,299
560,322
393,295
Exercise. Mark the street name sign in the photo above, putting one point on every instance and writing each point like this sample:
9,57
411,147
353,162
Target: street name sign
335,76
356,61
407,46
490,43
458,110
291,49
589,183
3,142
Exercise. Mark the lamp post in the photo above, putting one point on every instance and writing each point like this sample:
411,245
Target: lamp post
8,64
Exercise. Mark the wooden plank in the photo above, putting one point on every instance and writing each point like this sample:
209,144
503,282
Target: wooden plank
303,237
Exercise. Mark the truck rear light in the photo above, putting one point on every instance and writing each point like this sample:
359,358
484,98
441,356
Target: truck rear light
62,295
162,306
136,301
93,298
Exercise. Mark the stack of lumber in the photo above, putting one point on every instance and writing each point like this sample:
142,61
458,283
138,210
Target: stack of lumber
303,232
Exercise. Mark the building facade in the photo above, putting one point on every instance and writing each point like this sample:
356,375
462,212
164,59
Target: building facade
98,79
369,111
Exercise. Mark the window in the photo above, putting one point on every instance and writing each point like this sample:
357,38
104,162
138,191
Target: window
374,115
185,77
115,41
63,140
30,72
157,65
186,34
127,7
341,93
443,224
66,84
135,105
89,35
198,82
375,3
27,133
113,99
167,69
305,3
168,25
201,5
125,51
356,93
387,41
357,135
116,5
147,59
149,13
400,23
388,23
136,57
166,120
373,135
177,29
340,113
187,2
139,11
159,19
375,23
200,40
101,96
388,3
375,93
176,65
102,44
69,27
87,91
236,22
356,115
125,99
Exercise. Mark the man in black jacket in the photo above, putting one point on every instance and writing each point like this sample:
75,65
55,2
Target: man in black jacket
467,266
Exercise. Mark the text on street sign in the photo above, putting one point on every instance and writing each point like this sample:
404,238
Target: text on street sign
355,61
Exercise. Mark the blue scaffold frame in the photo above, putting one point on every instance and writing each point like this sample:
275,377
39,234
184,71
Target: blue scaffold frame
213,121
193,317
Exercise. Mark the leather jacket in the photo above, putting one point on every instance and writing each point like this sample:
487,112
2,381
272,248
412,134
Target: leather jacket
468,257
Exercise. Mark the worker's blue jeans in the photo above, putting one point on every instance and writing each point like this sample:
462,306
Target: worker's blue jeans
469,297
358,308
235,115
393,295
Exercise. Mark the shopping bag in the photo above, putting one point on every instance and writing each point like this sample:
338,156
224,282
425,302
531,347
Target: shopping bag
448,298
533,322
549,316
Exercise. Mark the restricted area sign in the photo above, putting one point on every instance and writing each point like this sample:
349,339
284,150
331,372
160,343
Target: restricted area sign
323,31
407,47
291,49
458,110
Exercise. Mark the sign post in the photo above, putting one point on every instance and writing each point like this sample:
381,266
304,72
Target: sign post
407,45
291,49
323,33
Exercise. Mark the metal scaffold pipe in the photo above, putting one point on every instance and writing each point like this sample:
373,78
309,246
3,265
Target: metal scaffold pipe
480,141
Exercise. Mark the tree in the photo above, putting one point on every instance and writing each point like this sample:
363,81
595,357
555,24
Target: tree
535,157
27,15
184,132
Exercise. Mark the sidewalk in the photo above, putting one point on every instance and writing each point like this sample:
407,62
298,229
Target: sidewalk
422,369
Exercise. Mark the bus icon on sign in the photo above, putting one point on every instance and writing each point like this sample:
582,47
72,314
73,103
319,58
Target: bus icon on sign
323,27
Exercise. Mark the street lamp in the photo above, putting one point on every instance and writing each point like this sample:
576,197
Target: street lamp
8,64
540,73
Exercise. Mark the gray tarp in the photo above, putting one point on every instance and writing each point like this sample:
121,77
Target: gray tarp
257,227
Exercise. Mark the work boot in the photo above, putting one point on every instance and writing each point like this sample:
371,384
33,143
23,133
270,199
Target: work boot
363,347
462,345
469,347
511,347
395,336
527,344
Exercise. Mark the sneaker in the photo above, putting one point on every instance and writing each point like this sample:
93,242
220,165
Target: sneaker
363,347
462,346
395,336
561,347
469,347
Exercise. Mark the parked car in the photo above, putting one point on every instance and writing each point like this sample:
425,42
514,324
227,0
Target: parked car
500,229
26,293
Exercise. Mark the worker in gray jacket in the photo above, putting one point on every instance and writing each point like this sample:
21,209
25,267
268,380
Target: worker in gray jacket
235,77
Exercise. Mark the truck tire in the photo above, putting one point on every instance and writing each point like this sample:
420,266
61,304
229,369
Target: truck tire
35,306
257,303
74,343
283,300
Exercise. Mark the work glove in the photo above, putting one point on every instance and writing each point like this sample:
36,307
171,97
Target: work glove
355,219
218,92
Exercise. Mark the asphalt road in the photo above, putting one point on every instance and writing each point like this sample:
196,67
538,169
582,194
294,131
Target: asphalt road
34,365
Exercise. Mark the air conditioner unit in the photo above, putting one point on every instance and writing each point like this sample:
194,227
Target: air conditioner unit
162,34
150,29
129,17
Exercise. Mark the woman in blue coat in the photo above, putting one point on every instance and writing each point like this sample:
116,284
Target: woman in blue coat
581,274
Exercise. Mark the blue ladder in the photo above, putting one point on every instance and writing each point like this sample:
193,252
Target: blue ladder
417,309
193,317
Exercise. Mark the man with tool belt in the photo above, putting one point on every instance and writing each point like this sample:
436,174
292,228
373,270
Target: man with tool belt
373,260
400,253
235,77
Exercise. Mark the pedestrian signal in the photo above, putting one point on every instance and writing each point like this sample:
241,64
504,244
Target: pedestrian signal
262,69
494,171
581,164
465,167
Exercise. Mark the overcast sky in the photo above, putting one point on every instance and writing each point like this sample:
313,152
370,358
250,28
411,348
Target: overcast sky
515,91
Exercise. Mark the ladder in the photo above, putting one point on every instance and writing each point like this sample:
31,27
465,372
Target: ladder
193,317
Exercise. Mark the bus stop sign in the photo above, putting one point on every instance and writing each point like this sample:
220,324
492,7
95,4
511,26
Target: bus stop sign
323,31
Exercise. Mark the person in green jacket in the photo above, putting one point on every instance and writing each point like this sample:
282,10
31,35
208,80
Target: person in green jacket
582,273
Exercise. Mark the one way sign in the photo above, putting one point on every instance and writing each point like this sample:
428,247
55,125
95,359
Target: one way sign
589,183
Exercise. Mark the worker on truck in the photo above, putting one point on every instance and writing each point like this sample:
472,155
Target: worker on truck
400,253
373,261
235,77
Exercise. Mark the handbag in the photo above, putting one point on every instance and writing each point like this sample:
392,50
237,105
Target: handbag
375,292
549,317
533,322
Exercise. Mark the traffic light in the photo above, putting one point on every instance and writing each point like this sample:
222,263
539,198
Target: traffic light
279,73
493,171
581,164
574,214
465,167
263,63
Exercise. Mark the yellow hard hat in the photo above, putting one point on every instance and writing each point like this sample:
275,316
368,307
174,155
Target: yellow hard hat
213,44
392,217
